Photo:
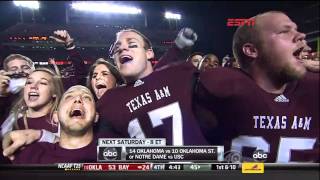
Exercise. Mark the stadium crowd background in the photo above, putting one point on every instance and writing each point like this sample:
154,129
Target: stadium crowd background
26,31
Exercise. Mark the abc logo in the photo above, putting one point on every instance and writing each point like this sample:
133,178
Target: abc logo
110,153
260,155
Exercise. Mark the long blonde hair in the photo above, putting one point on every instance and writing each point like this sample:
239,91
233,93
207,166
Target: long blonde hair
20,107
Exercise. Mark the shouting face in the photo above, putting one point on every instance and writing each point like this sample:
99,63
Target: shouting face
131,56
102,80
281,46
76,112
38,92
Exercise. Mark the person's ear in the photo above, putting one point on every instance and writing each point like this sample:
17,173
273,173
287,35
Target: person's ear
55,117
150,54
250,50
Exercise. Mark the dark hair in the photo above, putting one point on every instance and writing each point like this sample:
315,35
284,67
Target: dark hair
114,71
207,56
229,62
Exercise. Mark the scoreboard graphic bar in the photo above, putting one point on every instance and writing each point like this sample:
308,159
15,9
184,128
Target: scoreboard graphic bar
160,153
148,166
116,167
153,149
241,167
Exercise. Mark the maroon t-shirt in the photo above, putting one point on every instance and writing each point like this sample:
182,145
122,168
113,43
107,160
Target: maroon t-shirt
42,122
157,106
47,153
284,125
172,56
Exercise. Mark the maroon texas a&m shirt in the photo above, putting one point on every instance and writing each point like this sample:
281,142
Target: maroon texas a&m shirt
157,106
286,126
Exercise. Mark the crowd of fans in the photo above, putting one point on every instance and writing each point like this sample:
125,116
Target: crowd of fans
210,101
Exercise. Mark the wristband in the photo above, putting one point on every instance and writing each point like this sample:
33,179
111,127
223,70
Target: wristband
70,46
47,136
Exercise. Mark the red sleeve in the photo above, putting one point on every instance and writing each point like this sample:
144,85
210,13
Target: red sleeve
223,82
78,62
213,88
80,70
172,55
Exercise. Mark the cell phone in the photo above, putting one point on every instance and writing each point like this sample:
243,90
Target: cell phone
18,75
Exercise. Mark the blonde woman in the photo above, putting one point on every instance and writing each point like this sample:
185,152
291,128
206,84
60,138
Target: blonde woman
36,104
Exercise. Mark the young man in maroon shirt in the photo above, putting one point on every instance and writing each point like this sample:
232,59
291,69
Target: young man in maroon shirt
154,103
76,115
272,102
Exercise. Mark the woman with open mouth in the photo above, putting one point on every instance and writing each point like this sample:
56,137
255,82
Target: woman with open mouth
102,77
37,103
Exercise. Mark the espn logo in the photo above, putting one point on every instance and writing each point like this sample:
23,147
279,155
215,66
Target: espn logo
251,168
239,22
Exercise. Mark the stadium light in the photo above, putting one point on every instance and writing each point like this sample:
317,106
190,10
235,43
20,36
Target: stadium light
27,4
170,15
104,7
